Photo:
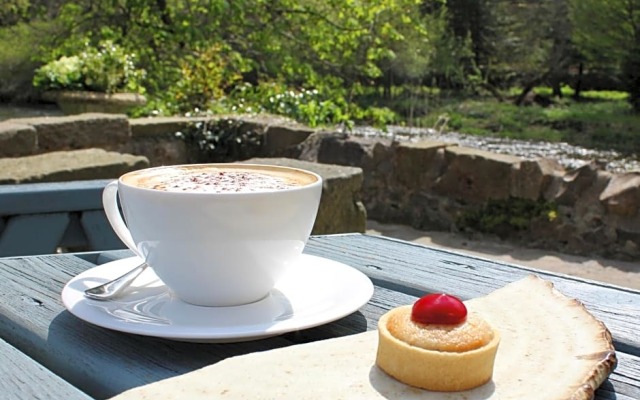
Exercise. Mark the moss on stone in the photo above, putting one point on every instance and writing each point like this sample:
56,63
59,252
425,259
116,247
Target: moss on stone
502,217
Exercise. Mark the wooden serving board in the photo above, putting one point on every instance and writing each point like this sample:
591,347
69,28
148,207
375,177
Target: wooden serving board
551,348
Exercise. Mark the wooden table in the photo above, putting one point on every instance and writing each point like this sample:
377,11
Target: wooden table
46,351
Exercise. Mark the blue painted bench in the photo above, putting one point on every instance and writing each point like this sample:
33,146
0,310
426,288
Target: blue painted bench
45,218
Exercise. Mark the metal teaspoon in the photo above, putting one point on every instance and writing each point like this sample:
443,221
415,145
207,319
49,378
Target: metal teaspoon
113,288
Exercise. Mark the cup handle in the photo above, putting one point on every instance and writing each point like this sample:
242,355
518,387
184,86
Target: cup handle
110,205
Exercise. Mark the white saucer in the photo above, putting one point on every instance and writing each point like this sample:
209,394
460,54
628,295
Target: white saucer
315,292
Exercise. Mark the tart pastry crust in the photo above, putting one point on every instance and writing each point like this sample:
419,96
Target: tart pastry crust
462,368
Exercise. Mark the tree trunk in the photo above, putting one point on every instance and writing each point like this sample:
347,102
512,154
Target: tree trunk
578,89
493,90
388,83
525,91
529,87
557,90
631,75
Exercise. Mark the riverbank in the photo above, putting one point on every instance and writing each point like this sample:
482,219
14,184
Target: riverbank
570,156
620,273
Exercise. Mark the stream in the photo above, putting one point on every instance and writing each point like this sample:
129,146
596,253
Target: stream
568,155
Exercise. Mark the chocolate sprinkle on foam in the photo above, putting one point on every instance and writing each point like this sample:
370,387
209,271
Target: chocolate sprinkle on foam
223,182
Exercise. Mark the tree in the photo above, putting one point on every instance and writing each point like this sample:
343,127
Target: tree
525,42
562,52
607,34
333,43
474,24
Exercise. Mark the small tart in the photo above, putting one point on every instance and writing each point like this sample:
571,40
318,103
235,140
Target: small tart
471,334
443,358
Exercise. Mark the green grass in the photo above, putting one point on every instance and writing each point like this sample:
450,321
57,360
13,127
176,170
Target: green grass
600,120
605,121
605,95
569,92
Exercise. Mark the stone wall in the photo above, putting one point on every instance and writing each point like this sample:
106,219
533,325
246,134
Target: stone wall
439,186
161,140
428,185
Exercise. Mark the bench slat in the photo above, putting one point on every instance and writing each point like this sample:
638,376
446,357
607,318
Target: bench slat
99,232
33,234
51,197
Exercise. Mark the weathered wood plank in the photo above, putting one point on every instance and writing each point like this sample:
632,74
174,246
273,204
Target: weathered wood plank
23,378
623,383
33,198
33,319
33,234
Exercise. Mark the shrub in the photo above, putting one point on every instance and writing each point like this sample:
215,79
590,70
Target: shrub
206,75
107,68
308,106
224,140
64,73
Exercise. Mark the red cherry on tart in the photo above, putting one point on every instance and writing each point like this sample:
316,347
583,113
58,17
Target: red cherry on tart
441,309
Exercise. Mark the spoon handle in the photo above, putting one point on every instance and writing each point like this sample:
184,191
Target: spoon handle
113,288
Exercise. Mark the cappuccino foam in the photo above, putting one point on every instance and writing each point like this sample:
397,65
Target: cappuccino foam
207,179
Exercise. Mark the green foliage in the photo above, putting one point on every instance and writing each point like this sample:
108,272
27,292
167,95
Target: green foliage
604,29
224,140
308,106
17,45
202,54
503,217
63,73
333,61
607,34
13,11
206,76
304,105
107,68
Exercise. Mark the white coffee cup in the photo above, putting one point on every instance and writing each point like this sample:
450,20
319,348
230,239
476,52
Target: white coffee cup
215,246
